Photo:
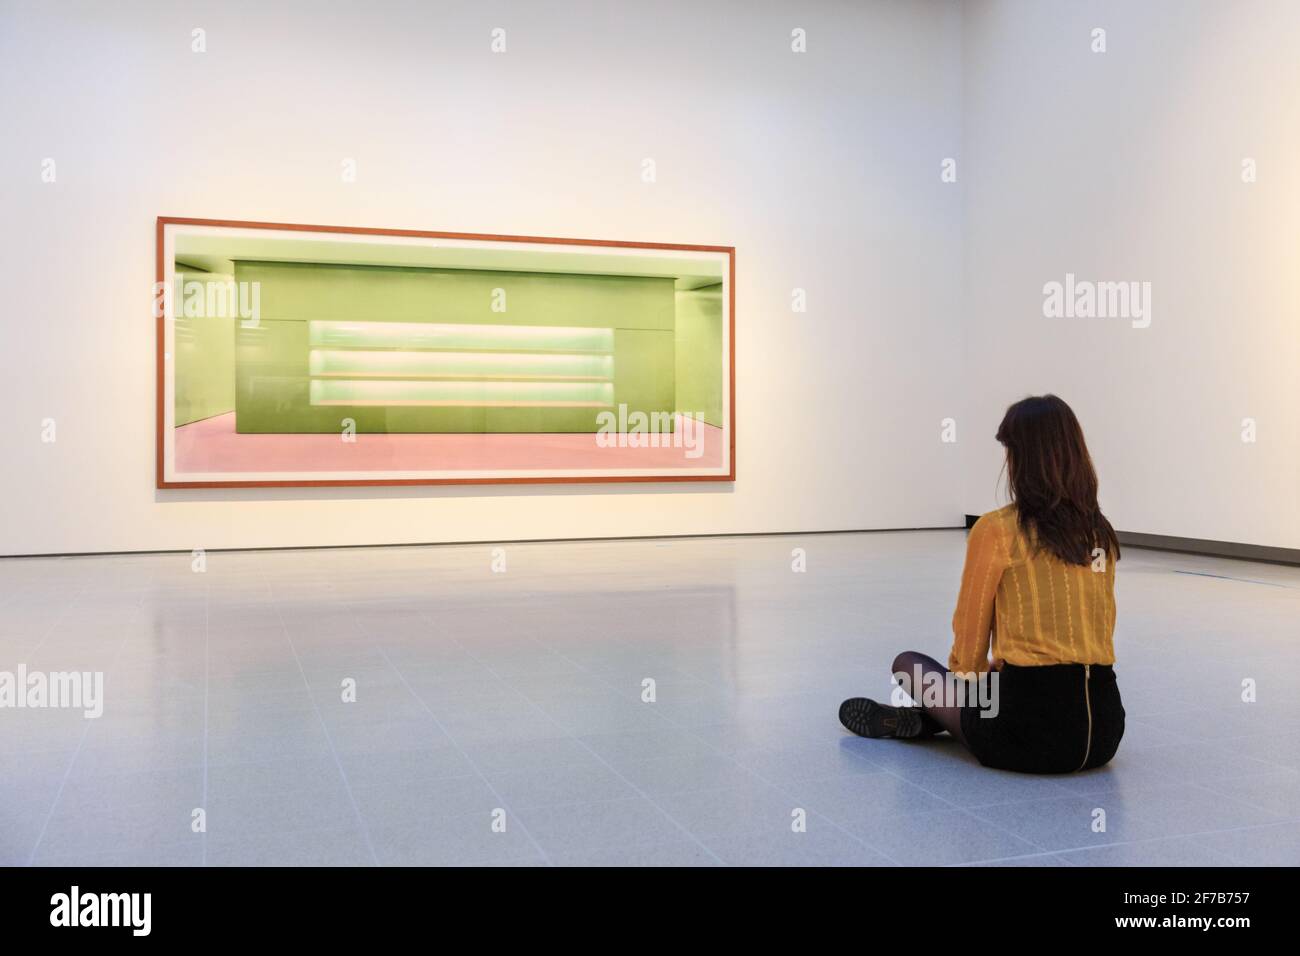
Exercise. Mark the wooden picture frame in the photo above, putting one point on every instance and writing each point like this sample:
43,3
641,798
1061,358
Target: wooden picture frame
168,478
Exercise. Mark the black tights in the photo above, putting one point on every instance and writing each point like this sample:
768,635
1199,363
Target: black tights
905,665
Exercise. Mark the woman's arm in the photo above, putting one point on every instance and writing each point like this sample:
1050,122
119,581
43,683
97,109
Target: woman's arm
972,622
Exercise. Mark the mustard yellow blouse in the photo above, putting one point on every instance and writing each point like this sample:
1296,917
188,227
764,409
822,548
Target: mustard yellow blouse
1035,608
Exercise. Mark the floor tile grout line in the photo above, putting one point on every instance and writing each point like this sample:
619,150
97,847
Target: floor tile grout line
67,773
1142,840
501,801
1243,801
969,811
900,777
900,770
66,609
785,792
329,738
918,815
966,812
1101,794
80,741
1146,717
1006,859
1188,738
957,807
582,743
719,752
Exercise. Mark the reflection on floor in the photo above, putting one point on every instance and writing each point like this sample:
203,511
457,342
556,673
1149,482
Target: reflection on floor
212,445
518,696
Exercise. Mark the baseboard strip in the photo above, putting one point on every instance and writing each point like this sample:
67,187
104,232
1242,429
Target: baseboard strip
1214,549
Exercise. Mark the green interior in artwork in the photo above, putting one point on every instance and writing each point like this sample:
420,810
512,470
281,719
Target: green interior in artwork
204,347
403,349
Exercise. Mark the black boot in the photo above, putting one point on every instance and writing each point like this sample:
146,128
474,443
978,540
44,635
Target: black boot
866,718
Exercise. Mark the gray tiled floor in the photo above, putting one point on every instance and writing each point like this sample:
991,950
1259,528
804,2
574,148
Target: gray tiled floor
517,696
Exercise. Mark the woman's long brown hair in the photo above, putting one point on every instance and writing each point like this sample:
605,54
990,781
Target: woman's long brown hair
1053,483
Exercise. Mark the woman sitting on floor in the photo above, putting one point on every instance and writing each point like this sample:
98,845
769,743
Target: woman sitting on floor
1038,591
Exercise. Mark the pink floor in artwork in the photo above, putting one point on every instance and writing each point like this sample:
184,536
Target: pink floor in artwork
212,445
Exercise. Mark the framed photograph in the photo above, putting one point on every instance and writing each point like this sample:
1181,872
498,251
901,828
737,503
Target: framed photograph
296,355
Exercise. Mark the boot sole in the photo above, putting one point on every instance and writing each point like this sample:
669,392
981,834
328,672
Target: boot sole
859,714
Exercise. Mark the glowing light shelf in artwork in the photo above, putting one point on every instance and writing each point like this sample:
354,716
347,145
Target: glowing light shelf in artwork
484,394
483,366
459,337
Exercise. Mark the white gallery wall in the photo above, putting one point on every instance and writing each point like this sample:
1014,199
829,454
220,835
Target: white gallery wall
821,168
1127,165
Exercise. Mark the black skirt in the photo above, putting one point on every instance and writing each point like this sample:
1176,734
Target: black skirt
1056,718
